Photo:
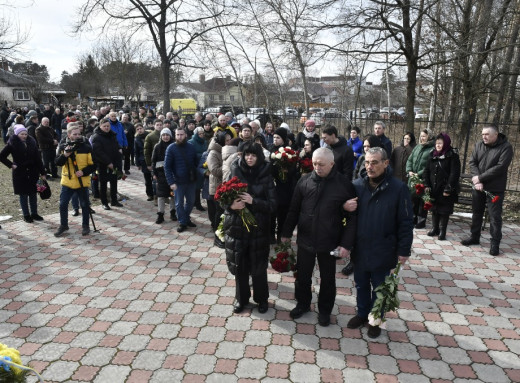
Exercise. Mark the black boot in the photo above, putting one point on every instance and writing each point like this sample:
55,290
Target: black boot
173,215
160,218
443,218
198,205
435,225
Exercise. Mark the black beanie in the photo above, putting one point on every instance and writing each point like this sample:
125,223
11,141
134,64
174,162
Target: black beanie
282,132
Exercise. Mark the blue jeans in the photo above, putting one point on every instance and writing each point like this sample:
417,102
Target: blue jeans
33,202
366,282
184,192
65,196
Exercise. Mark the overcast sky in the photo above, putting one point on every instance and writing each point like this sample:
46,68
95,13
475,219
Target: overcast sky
50,42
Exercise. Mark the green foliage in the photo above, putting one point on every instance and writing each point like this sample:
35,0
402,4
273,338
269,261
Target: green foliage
11,377
387,298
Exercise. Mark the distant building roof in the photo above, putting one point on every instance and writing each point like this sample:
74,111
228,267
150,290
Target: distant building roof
216,84
16,80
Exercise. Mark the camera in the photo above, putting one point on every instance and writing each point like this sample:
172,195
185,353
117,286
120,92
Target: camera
72,145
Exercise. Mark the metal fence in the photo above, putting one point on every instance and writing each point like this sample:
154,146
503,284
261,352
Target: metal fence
395,130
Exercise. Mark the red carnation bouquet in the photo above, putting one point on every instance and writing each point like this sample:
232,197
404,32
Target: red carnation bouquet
284,159
284,259
306,165
420,190
229,191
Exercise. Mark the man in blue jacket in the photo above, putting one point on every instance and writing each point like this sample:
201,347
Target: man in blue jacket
384,232
119,130
180,164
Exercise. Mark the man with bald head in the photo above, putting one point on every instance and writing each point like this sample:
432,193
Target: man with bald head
48,142
317,209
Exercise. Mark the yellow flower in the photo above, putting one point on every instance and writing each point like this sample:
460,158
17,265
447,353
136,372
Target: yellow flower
205,165
13,353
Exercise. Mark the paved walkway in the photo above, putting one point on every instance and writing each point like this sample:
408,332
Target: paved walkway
137,302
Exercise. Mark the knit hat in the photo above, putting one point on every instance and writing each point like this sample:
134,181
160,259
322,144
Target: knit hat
282,132
19,128
285,126
166,131
310,123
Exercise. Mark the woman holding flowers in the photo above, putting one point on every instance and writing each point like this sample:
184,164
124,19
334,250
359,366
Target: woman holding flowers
247,246
441,179
415,166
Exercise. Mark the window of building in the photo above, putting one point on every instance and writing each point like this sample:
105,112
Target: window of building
232,98
212,97
21,95
221,97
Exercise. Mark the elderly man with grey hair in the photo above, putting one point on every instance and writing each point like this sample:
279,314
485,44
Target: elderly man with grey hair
323,228
384,233
47,142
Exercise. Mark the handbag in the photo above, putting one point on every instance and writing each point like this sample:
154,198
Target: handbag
43,189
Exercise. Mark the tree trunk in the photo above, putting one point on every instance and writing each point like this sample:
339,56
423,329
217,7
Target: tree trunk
165,71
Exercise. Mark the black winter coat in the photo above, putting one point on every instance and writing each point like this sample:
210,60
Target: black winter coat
105,149
317,209
158,154
29,165
139,150
343,157
284,189
253,244
442,175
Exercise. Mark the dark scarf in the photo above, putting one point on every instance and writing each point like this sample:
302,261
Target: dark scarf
445,147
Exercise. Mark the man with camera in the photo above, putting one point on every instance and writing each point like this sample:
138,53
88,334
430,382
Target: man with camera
75,158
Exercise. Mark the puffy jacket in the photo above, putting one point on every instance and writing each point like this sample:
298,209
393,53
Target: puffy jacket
179,161
260,185
214,161
419,158
343,157
384,224
317,209
229,154
159,152
83,157
490,163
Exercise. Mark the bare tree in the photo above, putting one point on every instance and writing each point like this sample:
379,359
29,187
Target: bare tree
173,26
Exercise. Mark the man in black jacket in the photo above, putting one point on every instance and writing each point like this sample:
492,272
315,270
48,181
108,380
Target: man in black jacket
317,209
343,154
379,131
489,163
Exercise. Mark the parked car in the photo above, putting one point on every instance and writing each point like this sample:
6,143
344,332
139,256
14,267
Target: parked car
268,117
421,116
393,115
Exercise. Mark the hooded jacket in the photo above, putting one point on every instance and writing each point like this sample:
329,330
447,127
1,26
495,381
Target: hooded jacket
490,163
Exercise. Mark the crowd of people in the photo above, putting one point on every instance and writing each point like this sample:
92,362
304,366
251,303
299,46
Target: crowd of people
359,198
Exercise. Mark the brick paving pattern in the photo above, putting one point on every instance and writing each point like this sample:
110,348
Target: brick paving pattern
138,302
